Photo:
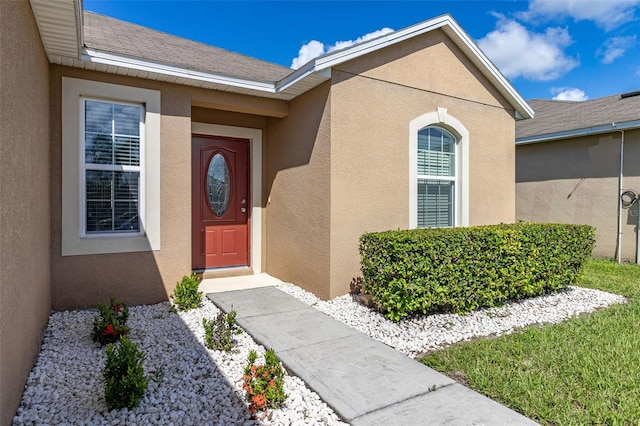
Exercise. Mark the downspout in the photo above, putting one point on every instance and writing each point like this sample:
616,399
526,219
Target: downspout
619,239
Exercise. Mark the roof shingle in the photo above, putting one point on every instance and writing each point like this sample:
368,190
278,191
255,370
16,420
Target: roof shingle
111,35
560,116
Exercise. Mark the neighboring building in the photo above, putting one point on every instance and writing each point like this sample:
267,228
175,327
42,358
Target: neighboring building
131,157
568,168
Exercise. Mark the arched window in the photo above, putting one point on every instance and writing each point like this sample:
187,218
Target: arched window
438,171
436,178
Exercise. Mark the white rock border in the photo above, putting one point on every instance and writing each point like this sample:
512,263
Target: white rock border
195,386
419,335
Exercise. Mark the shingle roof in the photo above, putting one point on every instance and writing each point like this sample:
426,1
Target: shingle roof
560,116
114,36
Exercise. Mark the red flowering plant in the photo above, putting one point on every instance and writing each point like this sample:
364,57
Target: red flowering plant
264,383
110,324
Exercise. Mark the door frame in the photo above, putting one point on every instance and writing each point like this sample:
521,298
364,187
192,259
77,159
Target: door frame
255,180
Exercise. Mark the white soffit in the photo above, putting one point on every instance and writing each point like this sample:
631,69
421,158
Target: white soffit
60,26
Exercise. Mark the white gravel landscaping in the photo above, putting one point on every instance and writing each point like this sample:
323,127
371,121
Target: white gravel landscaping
196,386
418,335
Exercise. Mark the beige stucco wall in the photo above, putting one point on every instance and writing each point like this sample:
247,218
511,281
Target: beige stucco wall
143,277
298,189
373,100
335,165
576,181
25,298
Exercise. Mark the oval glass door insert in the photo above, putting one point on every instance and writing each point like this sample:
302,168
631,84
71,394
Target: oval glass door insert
218,185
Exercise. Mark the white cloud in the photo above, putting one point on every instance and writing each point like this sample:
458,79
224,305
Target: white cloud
568,94
615,47
307,52
315,48
607,14
520,53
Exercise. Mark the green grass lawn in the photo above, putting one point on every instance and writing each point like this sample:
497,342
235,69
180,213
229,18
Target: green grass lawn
583,371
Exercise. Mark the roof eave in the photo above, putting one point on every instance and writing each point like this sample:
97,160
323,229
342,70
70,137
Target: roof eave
586,131
105,58
60,26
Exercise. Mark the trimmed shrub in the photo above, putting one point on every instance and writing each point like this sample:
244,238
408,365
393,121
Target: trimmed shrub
186,295
124,380
424,271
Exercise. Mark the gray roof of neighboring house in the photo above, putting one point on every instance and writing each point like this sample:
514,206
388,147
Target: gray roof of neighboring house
557,117
115,36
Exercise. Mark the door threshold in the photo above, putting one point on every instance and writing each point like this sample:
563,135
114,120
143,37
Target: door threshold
230,271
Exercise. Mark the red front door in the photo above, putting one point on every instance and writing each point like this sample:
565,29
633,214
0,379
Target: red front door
220,196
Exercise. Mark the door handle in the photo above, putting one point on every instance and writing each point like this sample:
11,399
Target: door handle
243,209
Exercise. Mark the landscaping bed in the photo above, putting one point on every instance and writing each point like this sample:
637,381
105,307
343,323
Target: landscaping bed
188,384
582,371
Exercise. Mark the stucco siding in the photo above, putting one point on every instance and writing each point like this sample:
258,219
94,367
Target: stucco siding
82,281
298,192
576,181
373,100
25,298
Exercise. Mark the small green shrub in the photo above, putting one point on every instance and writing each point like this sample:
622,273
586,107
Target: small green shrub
110,324
124,380
186,295
264,383
218,333
424,271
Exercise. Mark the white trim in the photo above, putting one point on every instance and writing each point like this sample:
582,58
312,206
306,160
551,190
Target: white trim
95,56
255,139
72,241
595,130
450,123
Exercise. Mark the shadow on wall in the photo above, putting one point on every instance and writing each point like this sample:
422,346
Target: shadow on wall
632,212
579,158
292,140
81,282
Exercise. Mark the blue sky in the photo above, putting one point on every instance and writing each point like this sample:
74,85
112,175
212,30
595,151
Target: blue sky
565,49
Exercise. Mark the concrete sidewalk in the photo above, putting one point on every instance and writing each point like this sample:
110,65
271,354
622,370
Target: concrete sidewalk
365,381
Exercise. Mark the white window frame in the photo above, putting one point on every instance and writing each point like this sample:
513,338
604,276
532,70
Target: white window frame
84,166
75,240
441,118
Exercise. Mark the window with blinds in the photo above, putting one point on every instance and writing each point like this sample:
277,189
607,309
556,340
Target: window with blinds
436,177
111,152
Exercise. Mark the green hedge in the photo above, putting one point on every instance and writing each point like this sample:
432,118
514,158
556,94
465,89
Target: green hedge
424,271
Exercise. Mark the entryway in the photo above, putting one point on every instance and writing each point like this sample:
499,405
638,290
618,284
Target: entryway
221,207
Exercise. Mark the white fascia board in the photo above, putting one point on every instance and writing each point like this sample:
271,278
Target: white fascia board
95,56
340,56
79,25
447,23
296,76
524,111
595,130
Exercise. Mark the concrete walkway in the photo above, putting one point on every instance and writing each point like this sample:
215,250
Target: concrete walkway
365,381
